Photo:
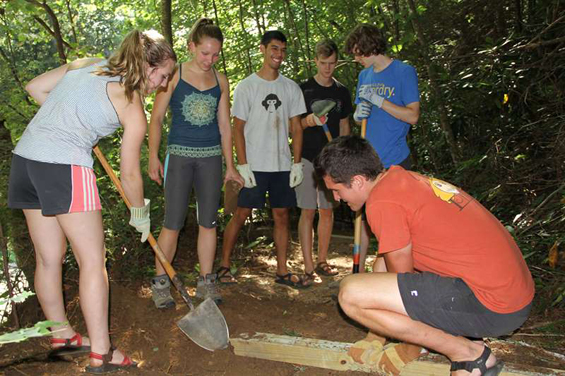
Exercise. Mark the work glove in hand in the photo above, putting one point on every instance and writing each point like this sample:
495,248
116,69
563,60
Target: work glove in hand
362,111
368,93
296,174
314,120
247,175
140,219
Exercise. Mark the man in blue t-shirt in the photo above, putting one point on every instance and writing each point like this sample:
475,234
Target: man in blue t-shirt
387,95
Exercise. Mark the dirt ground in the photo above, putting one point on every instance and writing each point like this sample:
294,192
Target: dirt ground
255,304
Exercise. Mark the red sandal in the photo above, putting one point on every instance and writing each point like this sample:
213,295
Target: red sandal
106,366
71,346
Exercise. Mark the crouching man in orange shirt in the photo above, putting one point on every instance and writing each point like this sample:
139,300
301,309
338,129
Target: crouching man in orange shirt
450,273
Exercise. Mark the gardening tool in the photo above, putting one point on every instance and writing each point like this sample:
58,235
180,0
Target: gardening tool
322,108
358,215
204,325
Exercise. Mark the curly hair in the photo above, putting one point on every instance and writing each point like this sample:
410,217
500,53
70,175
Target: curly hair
365,40
137,50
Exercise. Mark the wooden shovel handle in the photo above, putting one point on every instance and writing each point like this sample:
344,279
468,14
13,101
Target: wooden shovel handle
158,252
358,215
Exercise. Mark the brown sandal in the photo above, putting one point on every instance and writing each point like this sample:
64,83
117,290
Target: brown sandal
106,366
325,269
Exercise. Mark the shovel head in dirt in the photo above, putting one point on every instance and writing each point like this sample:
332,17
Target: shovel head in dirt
206,326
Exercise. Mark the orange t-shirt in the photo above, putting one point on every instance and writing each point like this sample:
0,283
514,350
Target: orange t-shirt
452,235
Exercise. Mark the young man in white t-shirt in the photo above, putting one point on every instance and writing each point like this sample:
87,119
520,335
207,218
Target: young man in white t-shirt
266,106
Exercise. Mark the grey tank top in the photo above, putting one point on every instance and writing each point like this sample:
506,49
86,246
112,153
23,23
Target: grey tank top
75,116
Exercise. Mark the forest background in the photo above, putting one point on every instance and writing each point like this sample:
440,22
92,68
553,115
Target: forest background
491,78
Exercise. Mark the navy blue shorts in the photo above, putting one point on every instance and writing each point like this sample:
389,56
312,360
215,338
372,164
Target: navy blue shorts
276,184
450,305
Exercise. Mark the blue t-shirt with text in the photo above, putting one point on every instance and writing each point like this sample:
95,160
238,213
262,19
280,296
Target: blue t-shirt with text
397,83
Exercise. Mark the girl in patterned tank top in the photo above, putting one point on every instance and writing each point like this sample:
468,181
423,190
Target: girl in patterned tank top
200,133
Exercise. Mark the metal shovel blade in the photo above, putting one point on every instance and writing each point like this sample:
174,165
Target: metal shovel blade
323,107
206,326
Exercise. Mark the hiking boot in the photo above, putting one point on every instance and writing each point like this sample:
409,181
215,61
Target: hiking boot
161,292
206,287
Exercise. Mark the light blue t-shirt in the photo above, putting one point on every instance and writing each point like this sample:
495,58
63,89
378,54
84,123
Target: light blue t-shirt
397,83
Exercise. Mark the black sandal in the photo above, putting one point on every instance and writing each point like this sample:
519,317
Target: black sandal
479,363
325,269
225,277
287,281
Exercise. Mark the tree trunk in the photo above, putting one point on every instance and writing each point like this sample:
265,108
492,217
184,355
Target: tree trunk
245,33
444,118
55,32
307,38
166,21
218,23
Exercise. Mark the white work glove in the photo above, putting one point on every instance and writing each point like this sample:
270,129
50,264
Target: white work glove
140,220
369,94
296,174
362,111
314,120
247,175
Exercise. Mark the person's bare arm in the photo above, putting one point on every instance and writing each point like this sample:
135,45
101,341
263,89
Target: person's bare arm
226,131
344,128
162,99
40,87
297,132
409,114
134,122
239,138
400,261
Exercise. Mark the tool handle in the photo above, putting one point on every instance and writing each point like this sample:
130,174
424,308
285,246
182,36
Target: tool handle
358,215
327,132
158,252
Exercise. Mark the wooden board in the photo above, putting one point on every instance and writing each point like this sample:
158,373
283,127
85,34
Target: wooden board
333,355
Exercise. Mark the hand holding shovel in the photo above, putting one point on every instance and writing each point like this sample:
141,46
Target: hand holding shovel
321,109
205,324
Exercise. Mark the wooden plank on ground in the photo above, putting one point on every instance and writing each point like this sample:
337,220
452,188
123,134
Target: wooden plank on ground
333,355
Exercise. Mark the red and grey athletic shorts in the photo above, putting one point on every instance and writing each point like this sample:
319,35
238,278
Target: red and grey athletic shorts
53,188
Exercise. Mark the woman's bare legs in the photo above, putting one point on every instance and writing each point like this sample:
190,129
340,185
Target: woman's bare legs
85,234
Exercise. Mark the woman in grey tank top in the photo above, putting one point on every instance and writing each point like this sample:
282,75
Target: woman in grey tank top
52,179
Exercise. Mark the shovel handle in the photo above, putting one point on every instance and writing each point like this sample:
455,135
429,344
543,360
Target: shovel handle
358,215
327,132
158,252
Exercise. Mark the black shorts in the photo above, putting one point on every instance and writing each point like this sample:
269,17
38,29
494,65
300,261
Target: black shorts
276,183
450,305
53,188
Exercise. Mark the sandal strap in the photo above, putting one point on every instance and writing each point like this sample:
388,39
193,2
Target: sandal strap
67,341
105,358
470,365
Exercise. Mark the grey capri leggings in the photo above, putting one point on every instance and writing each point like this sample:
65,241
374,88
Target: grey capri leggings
181,174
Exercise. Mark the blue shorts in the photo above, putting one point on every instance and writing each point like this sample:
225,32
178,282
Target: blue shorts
276,184
450,305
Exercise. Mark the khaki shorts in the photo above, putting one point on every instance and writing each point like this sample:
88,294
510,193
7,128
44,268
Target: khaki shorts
312,192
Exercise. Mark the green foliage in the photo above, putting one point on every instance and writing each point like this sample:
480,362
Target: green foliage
40,329
488,72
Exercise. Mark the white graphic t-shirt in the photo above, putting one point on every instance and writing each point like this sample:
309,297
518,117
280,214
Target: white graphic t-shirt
266,107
